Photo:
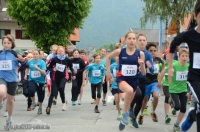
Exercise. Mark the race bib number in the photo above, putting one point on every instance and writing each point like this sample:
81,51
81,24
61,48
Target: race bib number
60,67
129,70
6,65
196,60
156,69
75,66
35,74
114,72
181,76
96,73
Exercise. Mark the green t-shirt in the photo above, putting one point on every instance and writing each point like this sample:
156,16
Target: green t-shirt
179,78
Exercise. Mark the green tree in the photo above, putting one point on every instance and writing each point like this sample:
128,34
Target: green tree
49,22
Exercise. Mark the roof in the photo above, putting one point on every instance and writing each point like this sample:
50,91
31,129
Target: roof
3,14
75,36
152,34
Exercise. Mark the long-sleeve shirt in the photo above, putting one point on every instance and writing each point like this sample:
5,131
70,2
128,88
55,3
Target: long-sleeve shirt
192,38
79,65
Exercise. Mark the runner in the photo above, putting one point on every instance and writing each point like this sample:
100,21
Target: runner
96,74
59,76
8,75
191,37
127,77
36,68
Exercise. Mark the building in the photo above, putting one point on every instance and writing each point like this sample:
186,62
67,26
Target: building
10,26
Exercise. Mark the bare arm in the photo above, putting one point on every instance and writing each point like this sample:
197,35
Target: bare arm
141,62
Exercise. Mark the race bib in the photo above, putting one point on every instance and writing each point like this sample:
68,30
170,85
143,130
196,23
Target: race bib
181,76
6,65
129,70
196,60
60,67
156,69
96,73
35,74
75,66
114,72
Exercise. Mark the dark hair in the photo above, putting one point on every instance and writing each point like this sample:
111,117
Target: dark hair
75,50
82,52
11,39
150,45
197,8
95,55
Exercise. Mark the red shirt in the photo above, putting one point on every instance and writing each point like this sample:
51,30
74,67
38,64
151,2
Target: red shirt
86,61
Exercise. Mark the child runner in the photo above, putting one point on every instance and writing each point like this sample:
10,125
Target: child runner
36,79
192,38
8,75
151,84
96,74
127,77
78,66
59,75
116,92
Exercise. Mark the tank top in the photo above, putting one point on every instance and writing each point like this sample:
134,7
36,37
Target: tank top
128,65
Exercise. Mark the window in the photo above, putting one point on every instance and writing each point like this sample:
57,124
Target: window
4,32
19,34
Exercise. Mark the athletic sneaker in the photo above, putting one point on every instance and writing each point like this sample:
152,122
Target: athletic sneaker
94,101
64,107
39,111
167,119
134,123
38,103
173,112
119,116
176,128
131,113
186,124
146,111
5,114
33,105
140,119
48,111
96,110
8,125
124,121
104,102
79,102
54,101
154,117
73,103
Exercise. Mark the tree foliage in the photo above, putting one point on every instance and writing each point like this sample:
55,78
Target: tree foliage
175,9
49,22
108,47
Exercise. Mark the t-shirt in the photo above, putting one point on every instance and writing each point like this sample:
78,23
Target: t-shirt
96,73
114,72
86,61
112,60
179,78
34,74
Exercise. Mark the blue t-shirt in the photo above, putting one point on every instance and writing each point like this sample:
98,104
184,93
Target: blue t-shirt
103,63
35,74
113,71
112,60
96,73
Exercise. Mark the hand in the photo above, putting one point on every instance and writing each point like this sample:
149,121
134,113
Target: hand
148,64
189,96
75,71
170,74
54,69
103,82
36,67
140,61
74,77
20,58
109,77
159,85
25,77
112,80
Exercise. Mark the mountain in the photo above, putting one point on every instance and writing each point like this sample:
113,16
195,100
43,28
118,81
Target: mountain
109,20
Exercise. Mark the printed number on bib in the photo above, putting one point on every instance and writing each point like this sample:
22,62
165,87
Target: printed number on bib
156,69
114,72
181,76
129,70
196,60
5,65
35,74
60,67
75,66
96,73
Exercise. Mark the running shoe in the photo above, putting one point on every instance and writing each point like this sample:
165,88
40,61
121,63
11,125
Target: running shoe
33,105
176,128
119,116
8,125
104,102
124,121
39,111
187,123
173,112
131,113
140,119
38,103
79,102
134,123
73,103
146,111
54,101
94,101
167,119
5,114
154,117
48,110
64,107
96,110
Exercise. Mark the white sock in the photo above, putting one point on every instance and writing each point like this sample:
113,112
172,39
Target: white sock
9,118
153,111
142,114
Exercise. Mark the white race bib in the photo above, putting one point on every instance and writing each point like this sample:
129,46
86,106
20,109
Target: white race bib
35,74
6,65
181,76
60,67
114,72
196,60
96,73
75,66
129,70
156,69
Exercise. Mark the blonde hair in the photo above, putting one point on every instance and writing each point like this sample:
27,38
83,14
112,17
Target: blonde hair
95,55
60,47
142,35
118,45
29,55
183,50
11,39
129,32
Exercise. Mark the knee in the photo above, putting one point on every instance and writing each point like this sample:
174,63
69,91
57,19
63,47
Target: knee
10,101
99,95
